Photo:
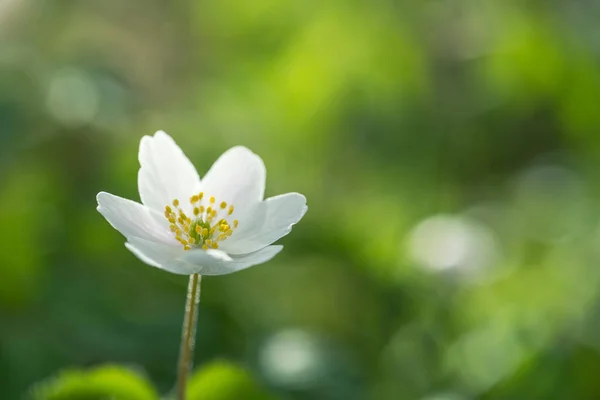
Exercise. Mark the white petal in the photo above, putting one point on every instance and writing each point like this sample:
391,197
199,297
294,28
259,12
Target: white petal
238,178
166,173
159,255
268,221
208,266
132,219
168,257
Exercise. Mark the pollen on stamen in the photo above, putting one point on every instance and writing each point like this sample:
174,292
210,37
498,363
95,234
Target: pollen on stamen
204,227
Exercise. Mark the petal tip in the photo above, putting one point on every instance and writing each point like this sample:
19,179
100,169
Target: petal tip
101,197
162,133
243,149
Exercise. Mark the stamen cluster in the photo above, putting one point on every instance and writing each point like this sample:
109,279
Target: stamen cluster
204,228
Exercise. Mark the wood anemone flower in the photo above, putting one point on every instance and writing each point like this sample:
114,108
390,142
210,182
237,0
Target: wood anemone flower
212,226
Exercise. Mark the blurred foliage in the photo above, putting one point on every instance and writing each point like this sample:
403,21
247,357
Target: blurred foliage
449,151
224,381
219,380
111,382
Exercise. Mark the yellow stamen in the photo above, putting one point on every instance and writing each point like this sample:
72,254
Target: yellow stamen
201,229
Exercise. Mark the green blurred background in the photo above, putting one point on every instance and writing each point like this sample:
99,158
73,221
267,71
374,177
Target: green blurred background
449,151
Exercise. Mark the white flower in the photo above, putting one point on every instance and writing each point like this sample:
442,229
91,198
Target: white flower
214,226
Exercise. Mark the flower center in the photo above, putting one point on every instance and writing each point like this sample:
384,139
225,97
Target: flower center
206,228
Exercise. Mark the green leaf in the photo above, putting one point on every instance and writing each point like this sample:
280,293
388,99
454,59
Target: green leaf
102,383
222,380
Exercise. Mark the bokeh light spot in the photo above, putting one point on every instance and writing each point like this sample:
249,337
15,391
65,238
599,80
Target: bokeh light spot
72,98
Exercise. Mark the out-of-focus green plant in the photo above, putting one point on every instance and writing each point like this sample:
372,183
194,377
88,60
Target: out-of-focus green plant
219,380
106,382
222,380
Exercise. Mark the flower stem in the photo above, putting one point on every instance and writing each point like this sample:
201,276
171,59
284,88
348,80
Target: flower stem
188,335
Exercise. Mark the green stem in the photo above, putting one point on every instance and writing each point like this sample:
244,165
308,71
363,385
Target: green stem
188,335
